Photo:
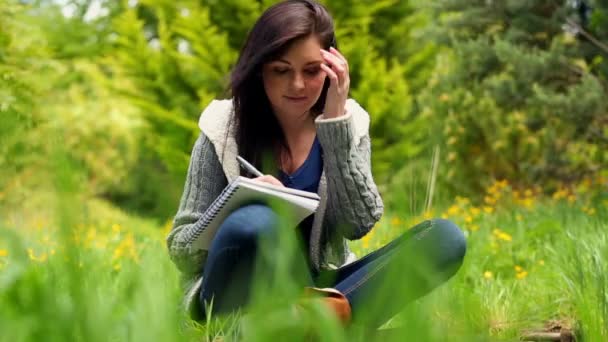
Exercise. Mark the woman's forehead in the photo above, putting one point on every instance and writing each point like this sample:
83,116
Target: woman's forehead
302,52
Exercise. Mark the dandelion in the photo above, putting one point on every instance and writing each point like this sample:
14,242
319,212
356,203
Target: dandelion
453,210
518,268
492,190
3,252
395,221
462,200
487,275
521,275
468,219
559,194
475,211
488,209
34,257
527,202
116,228
366,238
504,236
589,211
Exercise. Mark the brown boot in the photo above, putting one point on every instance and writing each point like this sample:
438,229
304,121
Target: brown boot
336,301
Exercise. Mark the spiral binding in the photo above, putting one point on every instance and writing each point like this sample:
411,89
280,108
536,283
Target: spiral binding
213,210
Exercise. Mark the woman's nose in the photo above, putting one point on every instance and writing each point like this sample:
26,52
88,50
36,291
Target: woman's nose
298,81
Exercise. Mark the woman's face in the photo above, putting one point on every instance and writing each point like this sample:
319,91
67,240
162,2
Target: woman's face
293,82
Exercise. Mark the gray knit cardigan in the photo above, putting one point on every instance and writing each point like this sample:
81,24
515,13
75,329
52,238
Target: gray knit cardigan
350,203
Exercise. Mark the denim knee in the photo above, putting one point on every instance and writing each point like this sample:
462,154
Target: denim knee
451,243
246,225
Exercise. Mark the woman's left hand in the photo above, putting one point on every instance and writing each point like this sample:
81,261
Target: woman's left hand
339,82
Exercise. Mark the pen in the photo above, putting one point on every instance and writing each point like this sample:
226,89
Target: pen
249,167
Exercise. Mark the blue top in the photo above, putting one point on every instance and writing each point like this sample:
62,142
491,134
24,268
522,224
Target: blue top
308,175
307,178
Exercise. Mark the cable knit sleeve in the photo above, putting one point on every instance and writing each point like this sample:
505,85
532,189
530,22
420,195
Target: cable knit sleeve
204,182
354,204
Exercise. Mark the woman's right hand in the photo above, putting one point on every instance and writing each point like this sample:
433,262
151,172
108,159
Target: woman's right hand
269,179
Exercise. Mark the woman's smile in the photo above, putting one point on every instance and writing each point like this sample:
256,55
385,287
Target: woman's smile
296,99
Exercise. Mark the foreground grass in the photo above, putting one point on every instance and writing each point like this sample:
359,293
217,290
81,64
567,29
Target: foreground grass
94,273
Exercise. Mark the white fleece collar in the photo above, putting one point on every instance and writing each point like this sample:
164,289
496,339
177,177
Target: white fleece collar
215,118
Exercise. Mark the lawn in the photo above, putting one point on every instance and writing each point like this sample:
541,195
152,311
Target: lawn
83,270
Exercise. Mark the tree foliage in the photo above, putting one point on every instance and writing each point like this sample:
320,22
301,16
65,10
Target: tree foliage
518,96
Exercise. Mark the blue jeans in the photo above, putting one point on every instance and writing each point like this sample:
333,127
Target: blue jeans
379,284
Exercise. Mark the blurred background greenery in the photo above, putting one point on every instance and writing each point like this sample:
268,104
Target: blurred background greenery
474,91
491,113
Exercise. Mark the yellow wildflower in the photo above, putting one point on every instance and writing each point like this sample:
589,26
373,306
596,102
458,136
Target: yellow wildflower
3,252
34,257
116,228
588,211
428,214
487,275
518,268
527,202
462,200
489,200
559,194
453,210
521,275
468,219
475,211
492,190
488,209
504,236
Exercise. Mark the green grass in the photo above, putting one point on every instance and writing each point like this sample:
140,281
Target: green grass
85,271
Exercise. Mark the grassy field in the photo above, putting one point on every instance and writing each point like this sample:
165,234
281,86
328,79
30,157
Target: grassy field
78,269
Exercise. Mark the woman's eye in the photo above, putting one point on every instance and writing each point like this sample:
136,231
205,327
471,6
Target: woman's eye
312,72
280,71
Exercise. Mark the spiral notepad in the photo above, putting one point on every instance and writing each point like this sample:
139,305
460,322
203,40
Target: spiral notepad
241,192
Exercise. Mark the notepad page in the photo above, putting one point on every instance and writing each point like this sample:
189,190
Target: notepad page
238,194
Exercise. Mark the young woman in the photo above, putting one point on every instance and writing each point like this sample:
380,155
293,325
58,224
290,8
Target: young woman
289,103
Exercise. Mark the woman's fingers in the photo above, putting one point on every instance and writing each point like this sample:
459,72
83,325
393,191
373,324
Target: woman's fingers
337,53
336,62
269,179
331,74
338,67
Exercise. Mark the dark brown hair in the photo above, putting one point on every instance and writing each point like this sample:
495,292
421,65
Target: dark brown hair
257,130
